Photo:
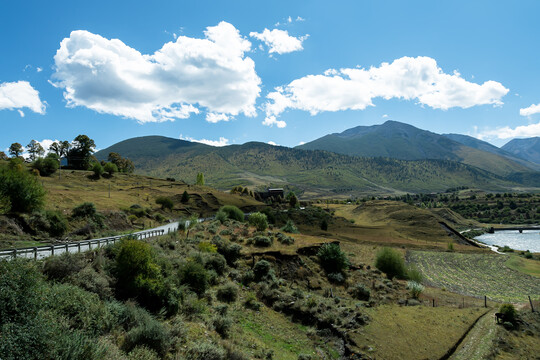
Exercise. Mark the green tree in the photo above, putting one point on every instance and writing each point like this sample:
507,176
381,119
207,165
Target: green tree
15,150
60,148
3,156
259,221
200,179
97,169
24,192
110,168
165,202
391,262
185,197
332,258
35,150
80,153
292,199
46,166
124,164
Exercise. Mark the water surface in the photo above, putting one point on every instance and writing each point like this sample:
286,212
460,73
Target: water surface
528,240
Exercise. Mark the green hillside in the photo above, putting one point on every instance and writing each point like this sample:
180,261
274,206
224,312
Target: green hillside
315,172
528,149
402,141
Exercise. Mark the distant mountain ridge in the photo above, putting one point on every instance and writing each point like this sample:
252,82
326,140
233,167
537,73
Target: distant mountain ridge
314,172
528,149
398,140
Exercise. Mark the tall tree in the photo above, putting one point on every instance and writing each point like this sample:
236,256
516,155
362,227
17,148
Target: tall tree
35,150
200,179
79,155
3,156
15,150
124,164
60,148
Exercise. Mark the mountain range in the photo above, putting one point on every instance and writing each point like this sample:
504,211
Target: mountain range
390,158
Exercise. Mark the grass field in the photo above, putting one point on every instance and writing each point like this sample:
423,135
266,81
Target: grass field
527,266
475,275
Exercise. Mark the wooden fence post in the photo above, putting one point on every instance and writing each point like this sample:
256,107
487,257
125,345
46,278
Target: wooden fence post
485,301
79,246
530,302
35,253
14,253
433,302
52,250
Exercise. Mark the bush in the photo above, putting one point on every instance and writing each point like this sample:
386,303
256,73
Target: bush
222,325
165,202
414,274
261,269
391,262
285,239
251,302
259,221
57,223
215,262
97,169
262,241
152,334
24,192
90,280
46,166
227,293
62,266
86,209
195,276
110,168
450,246
290,228
324,225
509,312
336,278
185,197
207,247
415,289
205,351
142,353
233,212
332,259
221,216
159,218
361,292
231,252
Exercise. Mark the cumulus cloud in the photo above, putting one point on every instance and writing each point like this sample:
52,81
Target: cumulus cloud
406,78
18,95
272,143
271,121
176,81
279,41
221,142
214,118
507,132
531,110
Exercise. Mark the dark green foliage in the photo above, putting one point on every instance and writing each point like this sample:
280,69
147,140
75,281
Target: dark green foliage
285,239
46,166
78,156
62,266
227,293
86,209
259,221
292,199
332,258
262,241
185,197
15,150
110,168
324,225
215,262
221,216
361,292
165,202
289,227
150,333
57,223
261,269
24,192
233,212
414,274
195,276
93,281
336,278
231,252
222,324
509,312
123,164
391,262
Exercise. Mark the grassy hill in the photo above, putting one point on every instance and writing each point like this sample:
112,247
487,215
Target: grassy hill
314,172
402,141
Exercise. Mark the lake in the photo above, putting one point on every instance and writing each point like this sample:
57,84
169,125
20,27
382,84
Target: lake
528,240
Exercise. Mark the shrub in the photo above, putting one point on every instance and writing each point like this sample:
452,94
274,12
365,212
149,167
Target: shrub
337,278
233,212
24,192
285,239
227,293
60,267
247,277
57,223
192,306
205,351
262,241
251,302
143,353
86,209
289,227
97,169
414,274
391,262
90,280
215,262
221,216
231,252
207,247
46,166
159,218
185,197
324,225
222,325
332,258
195,276
415,289
165,202
110,168
509,312
259,221
450,246
361,292
261,269
152,334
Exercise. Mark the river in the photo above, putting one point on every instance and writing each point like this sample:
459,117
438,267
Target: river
528,240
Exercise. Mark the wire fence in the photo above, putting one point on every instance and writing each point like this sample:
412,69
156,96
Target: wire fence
533,303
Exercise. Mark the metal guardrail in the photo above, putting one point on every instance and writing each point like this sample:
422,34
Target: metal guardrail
40,252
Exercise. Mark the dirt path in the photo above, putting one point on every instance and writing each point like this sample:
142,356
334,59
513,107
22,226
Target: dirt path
479,340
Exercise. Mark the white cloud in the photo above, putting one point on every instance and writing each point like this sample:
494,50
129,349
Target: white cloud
301,143
279,41
21,113
385,116
406,78
38,69
531,110
221,142
299,18
18,95
271,121
272,143
214,118
507,132
183,76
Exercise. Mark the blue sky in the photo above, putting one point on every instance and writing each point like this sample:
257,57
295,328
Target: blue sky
276,71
